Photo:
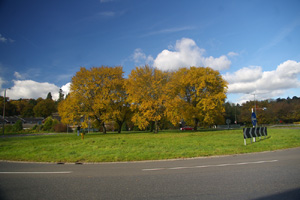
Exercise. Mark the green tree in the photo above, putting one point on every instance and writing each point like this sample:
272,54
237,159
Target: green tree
60,95
24,107
49,96
232,112
48,124
10,108
28,111
44,108
18,126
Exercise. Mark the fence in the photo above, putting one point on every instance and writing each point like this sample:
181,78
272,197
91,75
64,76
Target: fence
230,126
254,133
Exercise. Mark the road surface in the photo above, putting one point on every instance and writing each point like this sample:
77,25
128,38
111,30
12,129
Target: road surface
267,175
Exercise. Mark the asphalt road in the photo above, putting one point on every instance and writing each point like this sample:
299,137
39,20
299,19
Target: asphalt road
267,175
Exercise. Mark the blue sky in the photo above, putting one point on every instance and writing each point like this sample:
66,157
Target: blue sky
254,44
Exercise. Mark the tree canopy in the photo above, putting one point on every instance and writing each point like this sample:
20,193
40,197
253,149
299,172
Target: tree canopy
97,94
146,93
44,108
267,111
147,96
196,95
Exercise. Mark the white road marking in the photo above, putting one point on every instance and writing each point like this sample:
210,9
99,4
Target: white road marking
66,172
179,168
153,169
205,166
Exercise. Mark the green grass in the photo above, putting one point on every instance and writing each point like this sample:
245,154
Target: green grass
140,145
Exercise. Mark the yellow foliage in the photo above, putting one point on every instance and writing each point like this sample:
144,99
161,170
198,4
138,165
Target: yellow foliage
145,87
69,111
97,93
196,95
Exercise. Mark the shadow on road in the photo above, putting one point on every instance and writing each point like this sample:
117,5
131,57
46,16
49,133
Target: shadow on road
2,194
290,195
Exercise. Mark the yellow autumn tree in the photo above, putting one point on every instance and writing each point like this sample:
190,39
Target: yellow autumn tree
97,93
69,111
122,112
196,95
145,87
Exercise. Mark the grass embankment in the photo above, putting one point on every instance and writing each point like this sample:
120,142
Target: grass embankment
140,145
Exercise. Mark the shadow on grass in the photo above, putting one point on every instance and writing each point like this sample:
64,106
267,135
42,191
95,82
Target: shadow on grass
257,140
161,132
176,131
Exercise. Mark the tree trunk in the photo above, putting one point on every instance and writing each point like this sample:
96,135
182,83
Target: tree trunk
120,126
104,128
151,126
156,127
196,124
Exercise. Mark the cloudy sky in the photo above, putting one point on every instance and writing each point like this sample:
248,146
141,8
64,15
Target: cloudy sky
254,44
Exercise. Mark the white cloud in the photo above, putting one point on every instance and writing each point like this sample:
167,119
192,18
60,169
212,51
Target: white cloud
18,75
186,54
2,39
260,96
107,14
220,63
27,89
140,57
29,73
32,89
265,84
169,30
66,88
290,69
1,83
246,74
231,54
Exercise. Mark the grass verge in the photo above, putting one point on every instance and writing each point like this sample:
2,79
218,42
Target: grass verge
140,145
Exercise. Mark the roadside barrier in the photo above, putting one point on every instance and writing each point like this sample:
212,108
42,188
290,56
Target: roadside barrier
253,133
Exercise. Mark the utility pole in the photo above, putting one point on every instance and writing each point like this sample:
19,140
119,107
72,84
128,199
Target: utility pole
235,121
255,104
3,111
